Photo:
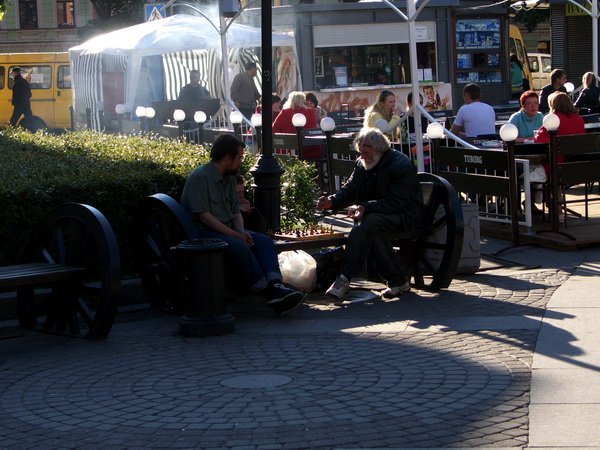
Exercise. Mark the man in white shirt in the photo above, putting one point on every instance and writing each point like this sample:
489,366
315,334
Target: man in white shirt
474,118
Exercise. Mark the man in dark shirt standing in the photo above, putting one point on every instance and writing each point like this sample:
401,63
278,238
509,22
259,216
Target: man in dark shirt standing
243,90
21,99
193,91
558,78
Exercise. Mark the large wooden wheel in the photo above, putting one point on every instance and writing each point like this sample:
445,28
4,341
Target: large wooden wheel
161,223
432,257
76,235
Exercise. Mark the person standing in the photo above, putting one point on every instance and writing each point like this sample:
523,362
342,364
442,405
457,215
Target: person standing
558,78
588,101
21,99
243,90
474,118
388,201
210,196
193,91
516,75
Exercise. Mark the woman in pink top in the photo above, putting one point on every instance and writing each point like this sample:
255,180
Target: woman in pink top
296,103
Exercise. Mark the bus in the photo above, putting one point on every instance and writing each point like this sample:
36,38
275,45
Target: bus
49,76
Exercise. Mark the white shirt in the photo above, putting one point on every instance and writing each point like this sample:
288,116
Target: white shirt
476,118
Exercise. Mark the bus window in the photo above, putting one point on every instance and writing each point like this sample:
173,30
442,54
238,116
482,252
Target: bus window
64,77
39,77
2,77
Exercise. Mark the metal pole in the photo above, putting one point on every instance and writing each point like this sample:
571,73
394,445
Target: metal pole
595,35
414,76
513,195
267,172
224,61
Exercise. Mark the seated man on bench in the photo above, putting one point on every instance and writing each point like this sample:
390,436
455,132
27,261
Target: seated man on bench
209,195
388,203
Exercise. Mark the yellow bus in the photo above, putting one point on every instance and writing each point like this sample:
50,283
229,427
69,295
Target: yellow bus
49,76
517,47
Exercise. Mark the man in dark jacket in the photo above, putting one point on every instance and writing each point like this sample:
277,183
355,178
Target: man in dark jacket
558,78
193,91
388,201
21,98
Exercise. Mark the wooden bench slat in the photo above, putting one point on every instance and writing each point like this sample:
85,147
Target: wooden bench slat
35,273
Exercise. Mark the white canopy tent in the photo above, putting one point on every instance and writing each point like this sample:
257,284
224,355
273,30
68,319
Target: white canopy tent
178,33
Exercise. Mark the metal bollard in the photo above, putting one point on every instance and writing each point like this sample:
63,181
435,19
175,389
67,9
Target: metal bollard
203,263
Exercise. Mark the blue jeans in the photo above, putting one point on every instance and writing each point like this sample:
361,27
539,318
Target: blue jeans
253,267
372,236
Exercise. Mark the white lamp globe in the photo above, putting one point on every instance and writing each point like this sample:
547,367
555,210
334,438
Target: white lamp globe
179,115
120,108
435,130
140,111
570,87
327,124
299,120
236,117
509,132
199,117
382,125
256,120
150,112
551,122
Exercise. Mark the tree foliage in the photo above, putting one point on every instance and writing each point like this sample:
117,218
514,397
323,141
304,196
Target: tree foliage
532,18
2,8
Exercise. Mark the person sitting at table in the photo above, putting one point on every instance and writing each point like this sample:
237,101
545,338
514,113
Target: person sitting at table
474,118
312,102
588,101
193,91
384,108
528,119
275,105
296,103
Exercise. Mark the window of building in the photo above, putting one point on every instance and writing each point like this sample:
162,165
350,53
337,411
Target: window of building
2,77
64,77
39,77
28,16
65,13
366,65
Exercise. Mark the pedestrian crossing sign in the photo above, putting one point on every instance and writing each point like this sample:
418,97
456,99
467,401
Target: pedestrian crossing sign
154,12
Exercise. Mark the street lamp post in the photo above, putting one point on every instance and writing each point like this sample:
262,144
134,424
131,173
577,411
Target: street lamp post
179,117
149,113
509,133
200,118
551,123
236,118
299,120
256,121
327,124
140,113
435,132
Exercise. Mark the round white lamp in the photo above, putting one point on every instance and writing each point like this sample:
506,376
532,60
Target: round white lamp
150,112
570,87
120,108
509,132
199,117
236,117
382,125
256,120
179,115
435,130
299,120
327,124
140,111
551,122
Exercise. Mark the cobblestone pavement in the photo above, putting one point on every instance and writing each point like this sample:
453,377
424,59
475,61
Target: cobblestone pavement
446,369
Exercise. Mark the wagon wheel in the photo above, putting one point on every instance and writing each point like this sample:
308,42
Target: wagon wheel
77,235
433,257
161,223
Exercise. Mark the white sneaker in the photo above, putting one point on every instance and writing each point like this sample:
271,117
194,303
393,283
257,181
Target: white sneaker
340,286
396,291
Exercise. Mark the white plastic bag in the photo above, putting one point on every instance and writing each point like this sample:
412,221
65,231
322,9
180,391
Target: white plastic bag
299,269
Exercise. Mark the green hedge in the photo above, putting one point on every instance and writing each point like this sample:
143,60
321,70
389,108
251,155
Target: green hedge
111,172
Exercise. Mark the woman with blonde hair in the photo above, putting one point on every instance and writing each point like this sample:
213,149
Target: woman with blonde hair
296,103
384,108
588,102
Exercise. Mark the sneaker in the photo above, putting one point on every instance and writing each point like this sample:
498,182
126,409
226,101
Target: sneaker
282,300
340,286
396,291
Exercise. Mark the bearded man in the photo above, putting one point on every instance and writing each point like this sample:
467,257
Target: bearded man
210,196
387,202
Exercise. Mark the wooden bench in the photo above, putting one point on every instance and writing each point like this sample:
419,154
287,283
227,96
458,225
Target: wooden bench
74,254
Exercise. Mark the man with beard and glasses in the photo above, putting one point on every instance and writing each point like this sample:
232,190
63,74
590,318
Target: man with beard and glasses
210,196
387,202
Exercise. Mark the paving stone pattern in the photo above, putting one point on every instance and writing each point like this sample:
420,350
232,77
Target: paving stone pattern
148,387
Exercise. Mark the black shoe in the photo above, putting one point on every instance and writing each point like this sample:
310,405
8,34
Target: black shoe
282,300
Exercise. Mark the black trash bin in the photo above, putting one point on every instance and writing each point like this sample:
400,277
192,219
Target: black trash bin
203,264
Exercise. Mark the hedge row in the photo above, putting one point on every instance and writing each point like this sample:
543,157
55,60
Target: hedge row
111,172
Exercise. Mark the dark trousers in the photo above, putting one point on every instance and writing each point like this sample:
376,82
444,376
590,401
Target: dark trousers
373,236
20,110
